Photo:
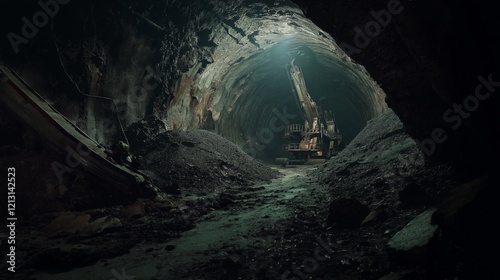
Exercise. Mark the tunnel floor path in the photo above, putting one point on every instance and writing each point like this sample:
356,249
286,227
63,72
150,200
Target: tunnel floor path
224,242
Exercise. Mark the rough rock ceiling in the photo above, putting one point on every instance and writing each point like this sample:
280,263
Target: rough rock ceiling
214,64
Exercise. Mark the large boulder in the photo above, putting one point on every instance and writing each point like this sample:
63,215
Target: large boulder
414,243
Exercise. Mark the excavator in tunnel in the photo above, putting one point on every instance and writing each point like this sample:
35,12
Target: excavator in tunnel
318,138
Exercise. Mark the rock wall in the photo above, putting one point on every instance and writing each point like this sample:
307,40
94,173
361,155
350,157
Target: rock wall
427,56
216,62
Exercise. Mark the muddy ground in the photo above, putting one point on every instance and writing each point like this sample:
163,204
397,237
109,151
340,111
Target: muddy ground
331,221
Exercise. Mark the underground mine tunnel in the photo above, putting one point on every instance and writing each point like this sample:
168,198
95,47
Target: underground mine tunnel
153,139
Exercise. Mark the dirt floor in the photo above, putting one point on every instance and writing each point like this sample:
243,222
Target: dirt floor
246,237
331,221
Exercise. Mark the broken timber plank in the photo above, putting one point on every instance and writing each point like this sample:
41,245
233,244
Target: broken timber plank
59,134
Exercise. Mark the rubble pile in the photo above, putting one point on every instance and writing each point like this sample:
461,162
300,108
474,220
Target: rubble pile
199,162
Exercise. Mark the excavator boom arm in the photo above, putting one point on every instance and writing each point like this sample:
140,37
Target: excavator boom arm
307,106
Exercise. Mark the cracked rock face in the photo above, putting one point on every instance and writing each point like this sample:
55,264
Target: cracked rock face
427,56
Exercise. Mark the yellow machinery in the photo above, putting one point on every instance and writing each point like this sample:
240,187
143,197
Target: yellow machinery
318,138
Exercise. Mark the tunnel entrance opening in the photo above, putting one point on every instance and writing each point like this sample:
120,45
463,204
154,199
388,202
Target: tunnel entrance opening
237,73
266,101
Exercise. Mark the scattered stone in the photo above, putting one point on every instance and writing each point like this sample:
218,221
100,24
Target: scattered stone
376,215
347,212
413,244
188,144
371,172
173,188
169,247
139,132
343,172
101,224
225,200
232,264
136,210
459,197
413,195
69,222
379,184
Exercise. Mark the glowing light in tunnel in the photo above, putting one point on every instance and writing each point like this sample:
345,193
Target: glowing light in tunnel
247,80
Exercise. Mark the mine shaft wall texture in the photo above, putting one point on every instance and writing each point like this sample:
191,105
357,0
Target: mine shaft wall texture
99,49
170,58
188,63
133,52
427,58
